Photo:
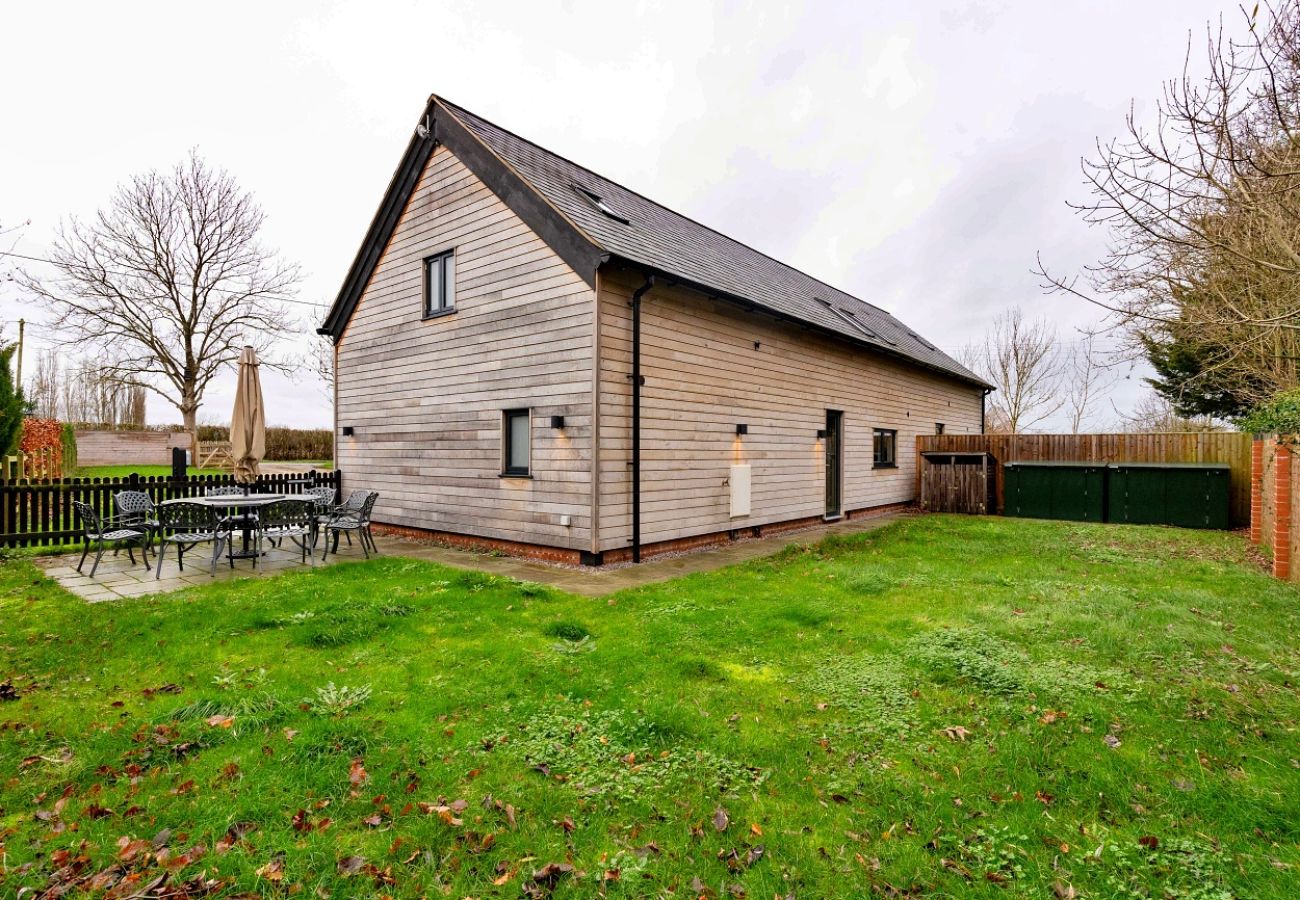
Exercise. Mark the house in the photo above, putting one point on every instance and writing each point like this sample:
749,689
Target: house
533,358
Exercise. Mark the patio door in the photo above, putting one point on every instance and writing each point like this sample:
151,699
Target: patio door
834,448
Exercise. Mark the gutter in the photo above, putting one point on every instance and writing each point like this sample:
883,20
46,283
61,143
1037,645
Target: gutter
636,415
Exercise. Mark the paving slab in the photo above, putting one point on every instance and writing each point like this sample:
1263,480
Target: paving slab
118,579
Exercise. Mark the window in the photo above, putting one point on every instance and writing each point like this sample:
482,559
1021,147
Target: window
515,438
938,428
885,442
601,205
440,284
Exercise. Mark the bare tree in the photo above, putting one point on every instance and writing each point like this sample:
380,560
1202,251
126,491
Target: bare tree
1086,378
320,363
1019,358
170,281
1203,212
1154,413
45,387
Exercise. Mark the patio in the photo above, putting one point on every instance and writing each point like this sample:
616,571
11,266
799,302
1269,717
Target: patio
118,579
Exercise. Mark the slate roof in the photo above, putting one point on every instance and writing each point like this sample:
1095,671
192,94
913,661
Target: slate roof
655,236
562,202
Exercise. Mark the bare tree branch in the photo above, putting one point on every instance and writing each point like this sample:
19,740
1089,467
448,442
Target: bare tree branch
169,282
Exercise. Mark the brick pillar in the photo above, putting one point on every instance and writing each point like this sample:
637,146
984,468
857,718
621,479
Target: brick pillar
1257,491
1282,513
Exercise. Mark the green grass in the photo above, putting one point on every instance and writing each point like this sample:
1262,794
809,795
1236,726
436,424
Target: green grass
947,707
126,471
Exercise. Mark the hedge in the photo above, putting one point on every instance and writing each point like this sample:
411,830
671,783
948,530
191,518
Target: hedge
283,443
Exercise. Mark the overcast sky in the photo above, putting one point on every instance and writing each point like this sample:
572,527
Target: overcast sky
916,155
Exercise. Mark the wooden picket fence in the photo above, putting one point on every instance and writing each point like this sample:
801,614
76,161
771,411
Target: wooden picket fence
1231,447
39,513
29,466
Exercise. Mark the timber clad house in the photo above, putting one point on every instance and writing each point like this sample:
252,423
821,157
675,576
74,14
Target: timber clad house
532,358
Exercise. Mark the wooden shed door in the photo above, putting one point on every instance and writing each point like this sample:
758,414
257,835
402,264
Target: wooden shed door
834,465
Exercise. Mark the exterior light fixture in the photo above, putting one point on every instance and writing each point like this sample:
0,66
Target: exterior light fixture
742,429
348,431
557,421
821,433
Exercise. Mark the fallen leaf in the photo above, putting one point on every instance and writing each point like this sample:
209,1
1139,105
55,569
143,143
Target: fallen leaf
1149,841
956,732
274,870
350,865
220,721
720,819
1111,741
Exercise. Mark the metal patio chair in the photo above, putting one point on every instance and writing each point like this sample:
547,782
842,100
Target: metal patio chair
234,520
136,509
99,532
348,518
185,525
294,519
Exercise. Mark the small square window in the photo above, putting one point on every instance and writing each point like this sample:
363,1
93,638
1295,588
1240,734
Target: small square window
885,442
440,284
516,439
938,428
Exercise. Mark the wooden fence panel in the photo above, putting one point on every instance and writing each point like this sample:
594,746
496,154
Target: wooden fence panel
40,513
1230,447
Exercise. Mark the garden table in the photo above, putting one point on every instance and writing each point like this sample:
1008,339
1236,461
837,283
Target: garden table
241,503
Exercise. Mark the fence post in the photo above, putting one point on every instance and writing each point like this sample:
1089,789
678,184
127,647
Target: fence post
1282,512
1257,490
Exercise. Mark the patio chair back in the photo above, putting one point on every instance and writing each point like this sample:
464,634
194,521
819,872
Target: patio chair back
225,490
187,518
321,496
288,514
367,507
356,500
91,524
136,505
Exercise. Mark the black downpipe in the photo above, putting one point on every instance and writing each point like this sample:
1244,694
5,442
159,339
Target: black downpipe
983,402
636,416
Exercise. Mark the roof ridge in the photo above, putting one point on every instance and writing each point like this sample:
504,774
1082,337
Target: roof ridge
458,108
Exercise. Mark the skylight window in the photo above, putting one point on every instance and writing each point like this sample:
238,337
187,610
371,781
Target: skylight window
601,205
850,319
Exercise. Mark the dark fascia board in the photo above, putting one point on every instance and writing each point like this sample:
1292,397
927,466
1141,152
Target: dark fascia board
382,226
562,236
750,305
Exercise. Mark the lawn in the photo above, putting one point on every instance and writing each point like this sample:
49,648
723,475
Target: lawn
125,471
946,707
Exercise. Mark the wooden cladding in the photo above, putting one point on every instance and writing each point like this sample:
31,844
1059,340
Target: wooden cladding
1232,448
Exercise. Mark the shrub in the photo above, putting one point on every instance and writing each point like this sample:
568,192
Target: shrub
283,443
41,439
68,443
1281,415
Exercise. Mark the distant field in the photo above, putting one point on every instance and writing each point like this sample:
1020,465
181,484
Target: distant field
125,471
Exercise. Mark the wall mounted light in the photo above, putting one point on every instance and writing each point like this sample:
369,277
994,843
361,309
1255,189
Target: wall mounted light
821,433
348,431
742,429
557,421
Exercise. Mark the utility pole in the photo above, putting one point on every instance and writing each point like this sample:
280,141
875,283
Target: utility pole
22,323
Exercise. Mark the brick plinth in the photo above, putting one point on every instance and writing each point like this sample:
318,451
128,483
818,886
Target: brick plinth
1257,492
621,554
1282,512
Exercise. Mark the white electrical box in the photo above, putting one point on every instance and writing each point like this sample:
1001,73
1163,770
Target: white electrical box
739,482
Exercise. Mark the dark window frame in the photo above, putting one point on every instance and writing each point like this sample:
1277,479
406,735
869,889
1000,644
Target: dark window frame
508,467
877,434
446,285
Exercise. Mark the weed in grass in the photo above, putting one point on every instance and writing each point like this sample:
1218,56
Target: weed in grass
572,648
337,701
970,656
871,692
619,757
1174,869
